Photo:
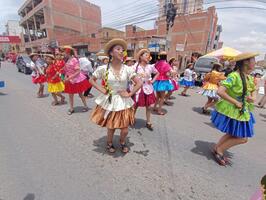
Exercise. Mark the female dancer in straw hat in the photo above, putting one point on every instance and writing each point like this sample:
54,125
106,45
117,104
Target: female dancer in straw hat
145,97
210,87
115,107
233,113
55,84
75,81
162,83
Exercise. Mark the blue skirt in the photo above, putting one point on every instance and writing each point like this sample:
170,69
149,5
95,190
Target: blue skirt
240,129
186,83
160,86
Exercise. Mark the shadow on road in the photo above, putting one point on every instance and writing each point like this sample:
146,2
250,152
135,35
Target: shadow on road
79,109
204,148
3,94
209,124
155,112
29,196
100,145
199,111
139,124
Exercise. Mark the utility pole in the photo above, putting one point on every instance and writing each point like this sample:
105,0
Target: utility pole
170,19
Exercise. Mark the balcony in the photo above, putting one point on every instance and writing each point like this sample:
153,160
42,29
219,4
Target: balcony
28,7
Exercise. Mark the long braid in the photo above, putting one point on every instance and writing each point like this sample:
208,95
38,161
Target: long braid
106,85
244,84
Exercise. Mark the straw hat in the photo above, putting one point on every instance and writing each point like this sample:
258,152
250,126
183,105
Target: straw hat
142,51
33,54
49,55
163,53
244,56
172,59
67,47
130,59
114,42
101,58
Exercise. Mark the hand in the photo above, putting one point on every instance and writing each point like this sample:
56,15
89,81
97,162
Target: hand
239,104
250,99
124,94
104,91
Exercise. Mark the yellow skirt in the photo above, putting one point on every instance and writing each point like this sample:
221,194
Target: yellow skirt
56,87
113,119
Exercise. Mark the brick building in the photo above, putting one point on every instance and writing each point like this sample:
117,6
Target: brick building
60,22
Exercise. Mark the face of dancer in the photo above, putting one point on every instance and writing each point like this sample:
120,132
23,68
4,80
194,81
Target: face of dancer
117,53
58,56
249,65
175,63
145,57
49,60
105,61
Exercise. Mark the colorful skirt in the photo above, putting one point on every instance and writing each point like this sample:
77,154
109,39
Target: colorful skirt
113,119
240,129
164,85
56,87
77,88
143,100
175,84
186,83
38,79
209,93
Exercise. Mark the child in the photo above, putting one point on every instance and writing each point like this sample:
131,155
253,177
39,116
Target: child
188,79
55,85
233,113
145,96
115,107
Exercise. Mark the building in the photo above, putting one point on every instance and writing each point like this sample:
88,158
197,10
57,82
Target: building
216,43
13,28
10,44
49,23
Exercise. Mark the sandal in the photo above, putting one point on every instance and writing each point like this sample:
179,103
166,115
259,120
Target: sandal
85,109
220,159
205,111
124,148
55,103
160,113
184,95
70,112
149,126
167,103
110,148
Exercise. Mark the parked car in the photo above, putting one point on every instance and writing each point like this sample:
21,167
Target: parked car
23,63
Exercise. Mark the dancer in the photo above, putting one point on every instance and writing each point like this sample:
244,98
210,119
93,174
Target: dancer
210,87
55,84
115,107
174,78
145,97
130,61
262,101
75,81
162,83
233,113
188,79
38,73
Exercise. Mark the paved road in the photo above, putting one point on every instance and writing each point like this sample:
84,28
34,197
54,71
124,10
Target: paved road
47,155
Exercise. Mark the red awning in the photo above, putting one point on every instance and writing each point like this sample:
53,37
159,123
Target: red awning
10,39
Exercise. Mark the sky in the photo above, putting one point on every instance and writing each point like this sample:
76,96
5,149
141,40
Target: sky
243,29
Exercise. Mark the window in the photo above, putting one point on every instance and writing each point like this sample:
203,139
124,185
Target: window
93,35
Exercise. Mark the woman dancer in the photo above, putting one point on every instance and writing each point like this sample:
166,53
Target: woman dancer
188,79
38,73
75,81
55,84
145,97
210,87
162,83
115,107
233,113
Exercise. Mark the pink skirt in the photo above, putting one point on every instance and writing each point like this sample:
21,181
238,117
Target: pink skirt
39,79
77,88
175,84
145,99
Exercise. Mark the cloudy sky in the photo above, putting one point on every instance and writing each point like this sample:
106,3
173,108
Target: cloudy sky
243,29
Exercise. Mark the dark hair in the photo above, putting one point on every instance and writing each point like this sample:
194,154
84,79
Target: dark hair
216,67
190,64
163,57
240,68
263,183
171,61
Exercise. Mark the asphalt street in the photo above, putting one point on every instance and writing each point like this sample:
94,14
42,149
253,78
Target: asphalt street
47,155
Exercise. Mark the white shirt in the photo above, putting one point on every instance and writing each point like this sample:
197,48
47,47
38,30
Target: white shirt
85,65
188,75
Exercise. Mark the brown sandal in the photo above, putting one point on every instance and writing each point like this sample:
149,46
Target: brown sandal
124,148
149,126
110,148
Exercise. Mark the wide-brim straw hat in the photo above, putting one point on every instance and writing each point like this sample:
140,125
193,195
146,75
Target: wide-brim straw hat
49,55
245,56
67,47
141,52
163,53
33,54
113,42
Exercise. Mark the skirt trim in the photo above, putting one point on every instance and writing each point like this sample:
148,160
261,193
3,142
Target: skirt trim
163,85
76,88
56,87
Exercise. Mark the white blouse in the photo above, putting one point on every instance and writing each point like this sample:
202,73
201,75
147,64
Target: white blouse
116,83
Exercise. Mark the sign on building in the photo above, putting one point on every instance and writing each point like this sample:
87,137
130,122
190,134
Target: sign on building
180,47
